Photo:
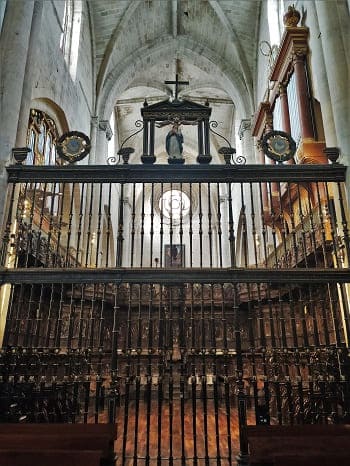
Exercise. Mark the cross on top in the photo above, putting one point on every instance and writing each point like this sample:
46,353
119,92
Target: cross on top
177,82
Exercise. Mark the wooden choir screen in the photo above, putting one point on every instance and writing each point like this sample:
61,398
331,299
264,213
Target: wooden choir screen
203,313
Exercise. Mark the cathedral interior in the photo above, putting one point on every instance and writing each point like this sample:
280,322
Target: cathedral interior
175,232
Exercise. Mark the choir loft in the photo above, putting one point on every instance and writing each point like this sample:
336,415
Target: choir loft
174,252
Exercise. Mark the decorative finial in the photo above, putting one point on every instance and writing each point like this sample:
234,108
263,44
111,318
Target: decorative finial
145,103
332,153
292,17
20,154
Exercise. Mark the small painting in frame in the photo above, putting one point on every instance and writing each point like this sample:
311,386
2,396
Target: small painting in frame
174,255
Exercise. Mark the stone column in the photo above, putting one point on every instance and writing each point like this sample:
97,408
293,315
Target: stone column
15,36
22,127
319,76
335,57
104,134
93,139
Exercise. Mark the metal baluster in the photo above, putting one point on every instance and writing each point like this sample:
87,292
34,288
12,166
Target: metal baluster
231,232
219,217
259,287
98,232
312,211
29,229
49,318
303,318
21,228
282,320
182,342
200,226
114,349
171,379
120,237
60,210
324,319
58,328
271,316
181,231
91,322
152,227
312,311
49,258
242,407
215,374
291,301
161,357
29,317
263,225
133,214
71,320
203,376
81,316
344,222
273,227
210,231
320,205
138,372
142,224
114,361
149,370
293,232
190,231
301,218
128,351
88,245
38,317
79,231
161,231
226,373
109,225
69,228
254,230
171,229
331,297
193,380
283,228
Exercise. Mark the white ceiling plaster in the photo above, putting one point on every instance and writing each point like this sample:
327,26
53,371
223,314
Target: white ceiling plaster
141,43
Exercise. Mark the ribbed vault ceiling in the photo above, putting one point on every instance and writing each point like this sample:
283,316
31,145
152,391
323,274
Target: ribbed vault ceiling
138,44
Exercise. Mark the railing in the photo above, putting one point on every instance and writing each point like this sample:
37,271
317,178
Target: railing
158,217
247,320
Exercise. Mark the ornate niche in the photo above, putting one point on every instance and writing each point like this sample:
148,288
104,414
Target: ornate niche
175,113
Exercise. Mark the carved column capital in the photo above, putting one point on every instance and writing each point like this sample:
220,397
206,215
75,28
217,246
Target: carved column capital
282,88
245,125
94,121
106,128
299,54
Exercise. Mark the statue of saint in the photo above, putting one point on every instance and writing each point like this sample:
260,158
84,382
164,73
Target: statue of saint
174,142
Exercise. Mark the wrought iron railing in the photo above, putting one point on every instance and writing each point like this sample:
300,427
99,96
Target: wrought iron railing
247,322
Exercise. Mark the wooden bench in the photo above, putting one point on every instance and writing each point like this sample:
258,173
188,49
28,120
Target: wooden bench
57,444
299,445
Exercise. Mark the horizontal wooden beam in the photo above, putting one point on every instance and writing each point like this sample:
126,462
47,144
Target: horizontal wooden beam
176,173
174,276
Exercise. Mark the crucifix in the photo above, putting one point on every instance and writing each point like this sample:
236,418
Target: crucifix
177,82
